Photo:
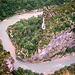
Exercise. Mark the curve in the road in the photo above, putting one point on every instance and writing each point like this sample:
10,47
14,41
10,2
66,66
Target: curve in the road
37,67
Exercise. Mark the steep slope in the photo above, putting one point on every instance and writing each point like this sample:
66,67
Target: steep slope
57,39
6,62
7,65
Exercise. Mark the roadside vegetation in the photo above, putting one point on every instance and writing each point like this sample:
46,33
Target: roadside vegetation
9,7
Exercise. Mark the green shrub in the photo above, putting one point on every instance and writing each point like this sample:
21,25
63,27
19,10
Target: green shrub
73,29
62,19
69,50
67,25
73,17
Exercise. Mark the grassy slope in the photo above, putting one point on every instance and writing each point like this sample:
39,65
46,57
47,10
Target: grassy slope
28,35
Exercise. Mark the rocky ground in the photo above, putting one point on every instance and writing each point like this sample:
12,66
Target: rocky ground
10,63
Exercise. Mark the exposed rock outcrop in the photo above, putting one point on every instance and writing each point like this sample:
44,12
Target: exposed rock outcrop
57,44
10,63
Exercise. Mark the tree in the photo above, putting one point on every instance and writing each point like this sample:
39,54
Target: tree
28,45
29,7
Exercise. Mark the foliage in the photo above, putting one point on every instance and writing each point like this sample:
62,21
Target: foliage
27,34
9,7
73,17
59,21
62,18
69,50
73,29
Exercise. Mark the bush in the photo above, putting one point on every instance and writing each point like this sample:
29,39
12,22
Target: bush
28,45
57,28
67,25
69,50
73,29
62,19
73,17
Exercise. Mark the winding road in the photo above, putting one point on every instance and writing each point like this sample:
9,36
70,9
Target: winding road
36,67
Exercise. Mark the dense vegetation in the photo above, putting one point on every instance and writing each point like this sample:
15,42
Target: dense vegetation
68,70
27,35
9,7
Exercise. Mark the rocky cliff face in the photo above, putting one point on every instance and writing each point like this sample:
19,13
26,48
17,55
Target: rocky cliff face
10,63
55,34
60,24
58,44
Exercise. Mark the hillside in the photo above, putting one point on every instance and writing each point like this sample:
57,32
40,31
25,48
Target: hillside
7,65
10,7
5,59
36,44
